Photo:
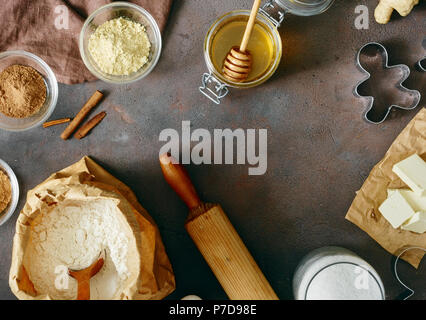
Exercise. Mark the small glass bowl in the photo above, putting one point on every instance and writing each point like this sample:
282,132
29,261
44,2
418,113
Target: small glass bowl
129,11
20,57
4,216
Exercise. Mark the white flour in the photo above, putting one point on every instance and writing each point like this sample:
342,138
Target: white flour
73,234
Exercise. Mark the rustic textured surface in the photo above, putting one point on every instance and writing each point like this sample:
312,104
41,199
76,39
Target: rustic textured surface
320,150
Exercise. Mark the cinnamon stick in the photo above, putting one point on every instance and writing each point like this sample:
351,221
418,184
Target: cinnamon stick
89,125
90,104
56,122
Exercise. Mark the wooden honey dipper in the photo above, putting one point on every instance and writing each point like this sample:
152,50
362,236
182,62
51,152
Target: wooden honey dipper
237,64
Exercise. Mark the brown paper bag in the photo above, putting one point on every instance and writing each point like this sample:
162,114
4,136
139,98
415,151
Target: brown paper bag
364,209
154,279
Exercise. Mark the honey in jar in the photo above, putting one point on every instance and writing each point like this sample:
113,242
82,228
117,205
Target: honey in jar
264,46
260,46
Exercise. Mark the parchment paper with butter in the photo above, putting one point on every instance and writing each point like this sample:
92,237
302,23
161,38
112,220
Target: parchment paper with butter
364,209
87,181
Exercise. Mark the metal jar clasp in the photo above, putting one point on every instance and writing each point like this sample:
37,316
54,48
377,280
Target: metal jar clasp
266,10
212,88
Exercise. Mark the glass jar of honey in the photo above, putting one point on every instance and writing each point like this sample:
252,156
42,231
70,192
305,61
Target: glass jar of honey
264,45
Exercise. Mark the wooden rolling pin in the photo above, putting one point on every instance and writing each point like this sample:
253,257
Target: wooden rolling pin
217,240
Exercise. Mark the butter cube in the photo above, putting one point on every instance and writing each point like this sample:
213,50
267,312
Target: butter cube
416,202
396,210
416,223
413,172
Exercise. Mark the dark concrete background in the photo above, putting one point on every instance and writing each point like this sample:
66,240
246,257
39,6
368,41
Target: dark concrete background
319,149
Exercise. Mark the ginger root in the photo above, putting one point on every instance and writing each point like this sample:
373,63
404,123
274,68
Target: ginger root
385,8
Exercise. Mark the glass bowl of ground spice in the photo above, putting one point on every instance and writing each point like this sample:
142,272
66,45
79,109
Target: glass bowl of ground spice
9,192
120,43
28,91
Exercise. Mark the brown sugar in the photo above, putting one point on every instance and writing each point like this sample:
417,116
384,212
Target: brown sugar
22,91
5,192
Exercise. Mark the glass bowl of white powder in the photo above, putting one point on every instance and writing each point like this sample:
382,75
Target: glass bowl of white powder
120,43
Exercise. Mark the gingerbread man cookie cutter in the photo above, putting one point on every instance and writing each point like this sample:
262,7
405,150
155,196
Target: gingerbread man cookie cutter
365,54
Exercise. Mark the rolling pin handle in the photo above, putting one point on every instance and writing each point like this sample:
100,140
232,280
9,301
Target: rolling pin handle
177,177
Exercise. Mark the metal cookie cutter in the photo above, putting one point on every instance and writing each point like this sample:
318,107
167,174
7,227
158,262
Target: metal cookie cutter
421,64
370,52
409,291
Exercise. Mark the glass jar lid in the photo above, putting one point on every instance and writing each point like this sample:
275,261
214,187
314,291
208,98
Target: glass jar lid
304,7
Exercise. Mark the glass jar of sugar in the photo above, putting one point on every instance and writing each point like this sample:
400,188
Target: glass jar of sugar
264,46
334,273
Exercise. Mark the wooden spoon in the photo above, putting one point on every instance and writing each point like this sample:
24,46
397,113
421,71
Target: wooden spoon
237,64
83,277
